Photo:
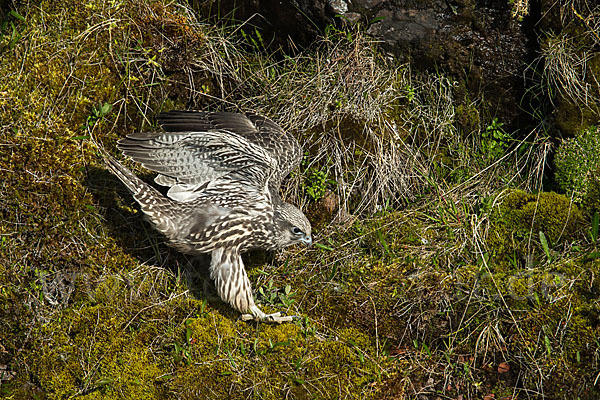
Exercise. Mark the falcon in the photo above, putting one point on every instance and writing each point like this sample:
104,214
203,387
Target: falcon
223,171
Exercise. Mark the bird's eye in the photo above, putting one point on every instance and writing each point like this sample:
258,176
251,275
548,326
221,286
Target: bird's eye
297,231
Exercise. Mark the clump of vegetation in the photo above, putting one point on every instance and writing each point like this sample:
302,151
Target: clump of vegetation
316,180
517,222
564,73
565,69
520,8
341,90
578,167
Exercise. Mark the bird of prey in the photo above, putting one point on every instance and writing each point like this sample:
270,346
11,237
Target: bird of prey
223,171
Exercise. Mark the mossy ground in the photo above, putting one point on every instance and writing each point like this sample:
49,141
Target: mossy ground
455,296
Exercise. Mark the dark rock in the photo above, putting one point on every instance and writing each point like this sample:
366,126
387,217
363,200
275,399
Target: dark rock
400,28
478,43
367,4
280,21
352,17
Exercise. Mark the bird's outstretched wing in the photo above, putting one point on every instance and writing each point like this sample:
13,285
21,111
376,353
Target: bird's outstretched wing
189,160
258,130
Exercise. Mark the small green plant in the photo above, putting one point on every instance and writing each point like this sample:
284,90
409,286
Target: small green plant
494,140
97,113
519,9
409,92
275,296
316,183
333,33
594,228
358,351
181,351
323,247
548,344
255,41
307,326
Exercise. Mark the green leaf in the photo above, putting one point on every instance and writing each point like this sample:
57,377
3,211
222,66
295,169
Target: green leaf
323,247
82,137
104,109
544,242
595,222
103,382
383,242
299,381
376,19
548,344
16,15
592,256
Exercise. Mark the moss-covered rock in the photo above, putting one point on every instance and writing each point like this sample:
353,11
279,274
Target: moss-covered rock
517,222
572,117
577,164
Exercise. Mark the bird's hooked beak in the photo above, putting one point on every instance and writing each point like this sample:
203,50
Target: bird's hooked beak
307,240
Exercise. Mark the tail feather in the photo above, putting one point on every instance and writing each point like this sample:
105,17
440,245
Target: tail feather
133,183
155,206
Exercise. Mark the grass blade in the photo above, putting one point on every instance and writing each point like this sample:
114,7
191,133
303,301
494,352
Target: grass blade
594,231
545,246
322,247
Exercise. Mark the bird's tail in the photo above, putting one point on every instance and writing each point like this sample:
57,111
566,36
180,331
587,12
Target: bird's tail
133,183
158,208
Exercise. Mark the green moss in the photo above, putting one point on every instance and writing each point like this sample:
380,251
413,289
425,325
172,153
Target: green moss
573,118
578,167
89,355
540,287
270,359
516,224
107,348
467,117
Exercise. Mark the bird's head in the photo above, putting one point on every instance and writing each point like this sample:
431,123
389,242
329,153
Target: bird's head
292,226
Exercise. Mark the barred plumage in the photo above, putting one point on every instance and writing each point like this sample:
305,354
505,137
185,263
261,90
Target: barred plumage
223,171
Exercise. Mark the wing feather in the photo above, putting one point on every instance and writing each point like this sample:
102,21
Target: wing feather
193,159
259,130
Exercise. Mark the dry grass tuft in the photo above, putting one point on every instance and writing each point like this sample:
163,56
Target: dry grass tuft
343,102
565,69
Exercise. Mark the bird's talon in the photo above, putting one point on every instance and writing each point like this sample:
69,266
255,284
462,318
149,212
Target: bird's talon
247,317
276,318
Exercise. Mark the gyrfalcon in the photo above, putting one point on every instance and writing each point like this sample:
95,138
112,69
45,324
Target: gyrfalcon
223,171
